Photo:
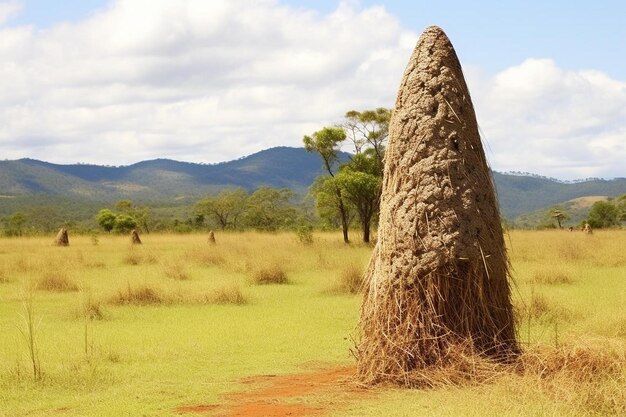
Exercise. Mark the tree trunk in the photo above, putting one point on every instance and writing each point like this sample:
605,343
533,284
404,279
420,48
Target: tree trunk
344,221
366,231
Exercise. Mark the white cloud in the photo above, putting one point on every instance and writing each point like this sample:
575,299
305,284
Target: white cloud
214,80
8,10
192,80
540,118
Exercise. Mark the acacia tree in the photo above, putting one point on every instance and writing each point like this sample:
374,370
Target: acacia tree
369,129
226,208
559,215
326,143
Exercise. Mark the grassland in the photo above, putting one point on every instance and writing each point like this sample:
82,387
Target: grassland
120,330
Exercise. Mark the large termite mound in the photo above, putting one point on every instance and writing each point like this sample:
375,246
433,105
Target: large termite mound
437,286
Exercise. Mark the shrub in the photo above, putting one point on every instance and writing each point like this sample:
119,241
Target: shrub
272,274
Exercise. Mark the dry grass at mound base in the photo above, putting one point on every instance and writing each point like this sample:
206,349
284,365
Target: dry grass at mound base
589,376
539,307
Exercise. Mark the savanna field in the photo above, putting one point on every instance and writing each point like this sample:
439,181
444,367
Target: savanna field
178,326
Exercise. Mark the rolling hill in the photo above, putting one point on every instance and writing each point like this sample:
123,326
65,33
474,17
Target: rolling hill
178,183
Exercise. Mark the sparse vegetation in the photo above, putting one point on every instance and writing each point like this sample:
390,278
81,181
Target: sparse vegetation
133,329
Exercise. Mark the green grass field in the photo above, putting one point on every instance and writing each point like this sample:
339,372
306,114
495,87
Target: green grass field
119,330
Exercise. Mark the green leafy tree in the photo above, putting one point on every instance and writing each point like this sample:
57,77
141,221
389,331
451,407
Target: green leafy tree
141,215
603,214
363,192
326,143
271,209
106,219
620,203
124,206
14,224
124,223
225,209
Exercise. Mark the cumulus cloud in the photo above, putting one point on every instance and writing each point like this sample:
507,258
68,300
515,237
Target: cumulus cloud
540,118
208,81
8,10
192,80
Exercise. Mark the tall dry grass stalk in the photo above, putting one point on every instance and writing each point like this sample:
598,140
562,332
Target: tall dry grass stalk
29,333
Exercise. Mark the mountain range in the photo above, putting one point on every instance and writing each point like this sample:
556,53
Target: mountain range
177,183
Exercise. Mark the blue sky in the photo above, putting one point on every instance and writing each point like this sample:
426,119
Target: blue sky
212,80
577,34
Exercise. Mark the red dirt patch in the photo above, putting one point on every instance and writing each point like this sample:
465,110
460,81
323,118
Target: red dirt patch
296,395
197,409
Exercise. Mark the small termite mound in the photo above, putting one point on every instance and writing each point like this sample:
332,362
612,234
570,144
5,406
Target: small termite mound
135,237
62,238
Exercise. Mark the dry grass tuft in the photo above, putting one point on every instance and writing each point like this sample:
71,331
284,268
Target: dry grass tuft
273,274
138,258
57,282
551,277
176,271
591,377
4,276
350,280
206,256
227,295
538,307
140,295
91,310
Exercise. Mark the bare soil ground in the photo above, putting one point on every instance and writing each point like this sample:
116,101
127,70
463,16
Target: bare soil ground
309,393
